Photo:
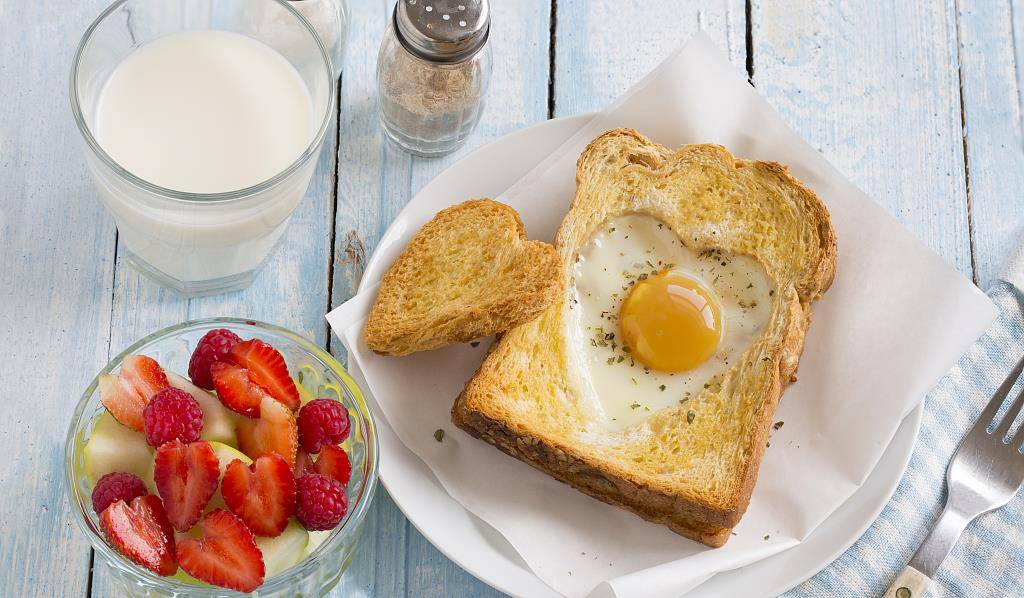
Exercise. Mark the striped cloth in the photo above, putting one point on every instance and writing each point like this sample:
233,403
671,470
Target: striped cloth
989,558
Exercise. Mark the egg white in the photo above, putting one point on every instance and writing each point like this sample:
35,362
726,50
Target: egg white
622,252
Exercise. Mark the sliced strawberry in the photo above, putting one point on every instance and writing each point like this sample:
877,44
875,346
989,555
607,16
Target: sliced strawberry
186,477
144,374
262,494
236,389
122,402
141,532
274,431
126,394
267,369
225,555
333,462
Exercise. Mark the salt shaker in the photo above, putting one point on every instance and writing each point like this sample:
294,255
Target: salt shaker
433,69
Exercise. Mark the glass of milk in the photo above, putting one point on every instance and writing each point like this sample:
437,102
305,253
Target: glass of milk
202,122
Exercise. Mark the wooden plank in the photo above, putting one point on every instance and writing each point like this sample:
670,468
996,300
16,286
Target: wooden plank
603,46
378,568
875,88
1017,14
990,87
375,180
56,250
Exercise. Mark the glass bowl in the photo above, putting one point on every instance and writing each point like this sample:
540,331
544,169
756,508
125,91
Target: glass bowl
321,375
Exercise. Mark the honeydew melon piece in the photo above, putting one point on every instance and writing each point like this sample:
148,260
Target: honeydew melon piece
284,551
186,578
227,453
115,447
218,420
316,538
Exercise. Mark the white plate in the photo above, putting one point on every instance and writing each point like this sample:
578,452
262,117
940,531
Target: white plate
481,550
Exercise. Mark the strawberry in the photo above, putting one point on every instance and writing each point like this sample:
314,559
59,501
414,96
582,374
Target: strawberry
333,462
267,369
144,374
274,431
236,390
186,477
141,532
126,394
225,555
262,494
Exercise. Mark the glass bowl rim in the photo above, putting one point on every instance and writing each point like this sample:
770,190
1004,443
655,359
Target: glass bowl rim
310,153
281,580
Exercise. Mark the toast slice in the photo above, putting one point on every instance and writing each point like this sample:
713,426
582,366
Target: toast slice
690,465
468,273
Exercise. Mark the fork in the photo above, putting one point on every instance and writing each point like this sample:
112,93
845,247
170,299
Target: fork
984,474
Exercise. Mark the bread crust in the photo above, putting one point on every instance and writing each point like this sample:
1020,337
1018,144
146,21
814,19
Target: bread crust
585,477
700,514
504,280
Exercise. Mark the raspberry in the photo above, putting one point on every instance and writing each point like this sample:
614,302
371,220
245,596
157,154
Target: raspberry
114,487
321,502
172,414
321,422
214,346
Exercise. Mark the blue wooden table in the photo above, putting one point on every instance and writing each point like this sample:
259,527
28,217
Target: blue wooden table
919,102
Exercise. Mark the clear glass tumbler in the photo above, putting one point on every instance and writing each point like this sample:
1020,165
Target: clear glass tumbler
327,555
199,243
330,18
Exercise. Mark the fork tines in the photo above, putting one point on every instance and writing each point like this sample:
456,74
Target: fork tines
982,425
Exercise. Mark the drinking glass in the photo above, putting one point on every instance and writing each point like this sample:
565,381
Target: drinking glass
199,243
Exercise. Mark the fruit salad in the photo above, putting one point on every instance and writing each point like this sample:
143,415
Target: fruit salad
227,477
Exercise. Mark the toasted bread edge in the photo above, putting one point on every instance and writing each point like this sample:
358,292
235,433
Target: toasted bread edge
585,477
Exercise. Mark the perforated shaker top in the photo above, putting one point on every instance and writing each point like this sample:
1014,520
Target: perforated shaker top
442,30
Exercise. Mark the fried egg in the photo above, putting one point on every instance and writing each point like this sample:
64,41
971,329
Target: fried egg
654,322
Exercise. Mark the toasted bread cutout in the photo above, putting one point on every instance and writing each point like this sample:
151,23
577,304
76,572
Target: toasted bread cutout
468,273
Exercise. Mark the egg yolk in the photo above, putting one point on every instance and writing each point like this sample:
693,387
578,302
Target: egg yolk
670,322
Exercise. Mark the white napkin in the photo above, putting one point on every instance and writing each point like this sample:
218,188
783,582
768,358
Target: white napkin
894,321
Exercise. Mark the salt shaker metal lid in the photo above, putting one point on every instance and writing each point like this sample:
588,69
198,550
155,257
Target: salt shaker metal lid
445,31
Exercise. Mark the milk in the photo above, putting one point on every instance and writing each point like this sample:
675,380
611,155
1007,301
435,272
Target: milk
203,112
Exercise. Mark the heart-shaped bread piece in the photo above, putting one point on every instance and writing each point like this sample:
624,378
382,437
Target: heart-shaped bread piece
468,273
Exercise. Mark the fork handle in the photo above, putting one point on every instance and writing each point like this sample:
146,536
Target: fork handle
915,578
911,583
